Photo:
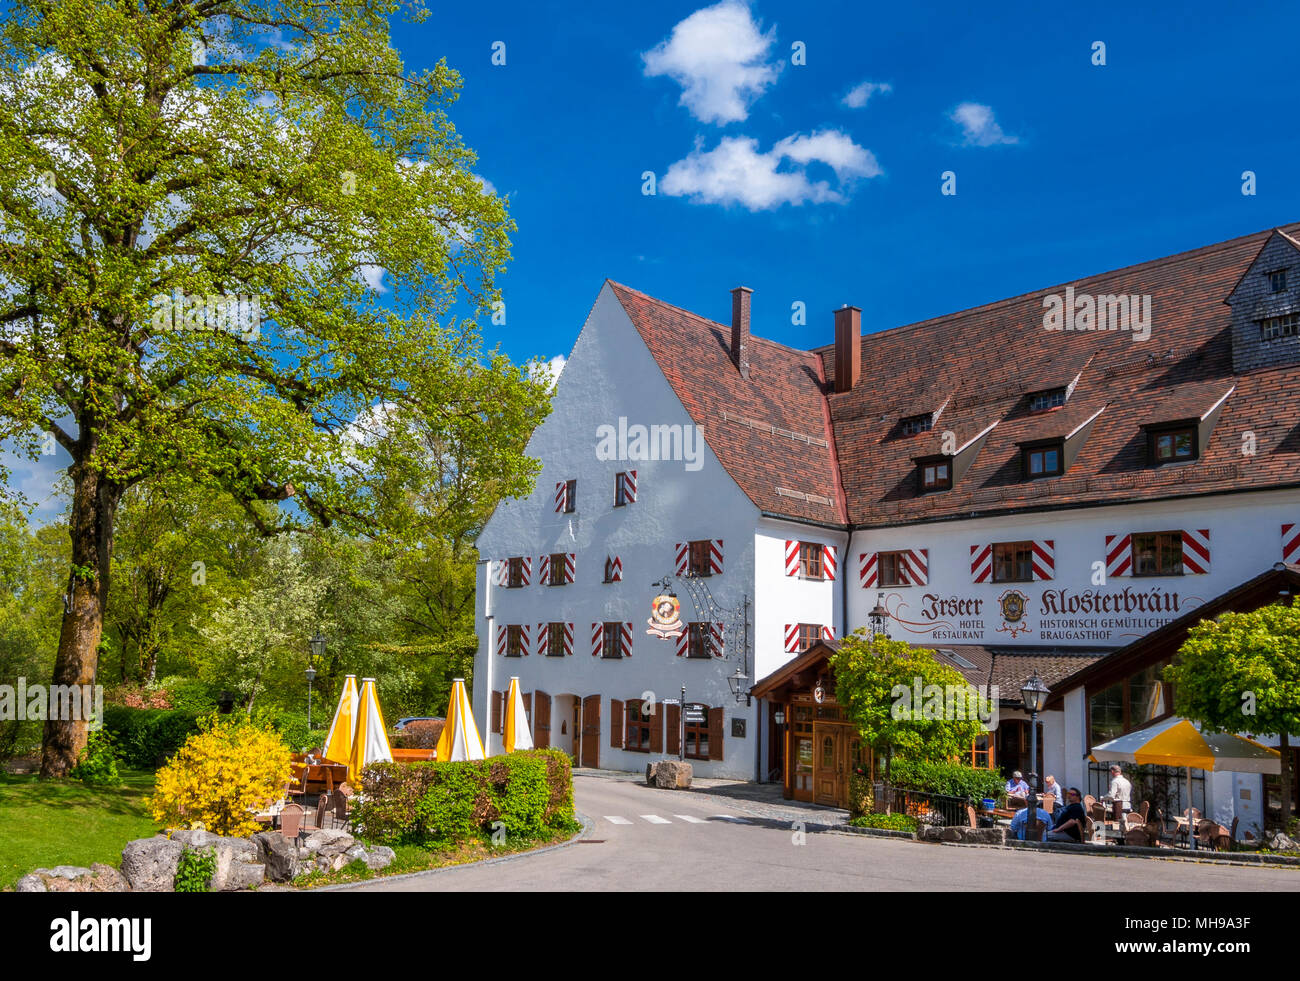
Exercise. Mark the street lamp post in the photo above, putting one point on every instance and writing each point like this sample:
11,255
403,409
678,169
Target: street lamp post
1034,694
315,650
877,618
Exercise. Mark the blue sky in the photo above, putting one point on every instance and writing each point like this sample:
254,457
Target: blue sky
1065,168
771,175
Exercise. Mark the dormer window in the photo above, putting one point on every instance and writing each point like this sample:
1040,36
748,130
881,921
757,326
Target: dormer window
1275,328
1277,281
1042,461
1050,399
913,425
935,475
1173,445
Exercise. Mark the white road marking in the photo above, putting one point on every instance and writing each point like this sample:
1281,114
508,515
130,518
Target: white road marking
690,819
616,820
655,819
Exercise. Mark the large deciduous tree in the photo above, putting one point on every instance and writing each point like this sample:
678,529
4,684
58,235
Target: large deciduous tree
200,202
1240,672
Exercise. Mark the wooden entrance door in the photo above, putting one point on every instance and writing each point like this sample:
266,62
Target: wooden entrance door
829,764
577,729
591,731
541,719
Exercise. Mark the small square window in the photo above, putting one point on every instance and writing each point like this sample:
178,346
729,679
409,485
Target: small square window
1158,553
809,634
1277,281
1050,399
699,558
699,642
570,496
620,489
892,568
514,641
557,570
611,645
1173,445
936,476
1275,328
1042,461
555,640
912,425
515,579
810,560
1013,562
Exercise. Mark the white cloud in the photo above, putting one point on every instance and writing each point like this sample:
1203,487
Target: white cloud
374,277
858,95
736,172
979,128
552,368
718,56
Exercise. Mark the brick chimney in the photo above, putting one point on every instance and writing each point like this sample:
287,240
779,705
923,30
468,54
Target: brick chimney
848,348
740,329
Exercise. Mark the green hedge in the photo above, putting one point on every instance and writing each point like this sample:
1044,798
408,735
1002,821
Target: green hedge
441,804
894,822
146,738
292,727
949,779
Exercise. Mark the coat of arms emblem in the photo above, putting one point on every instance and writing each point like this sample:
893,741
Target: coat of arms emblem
665,617
1012,603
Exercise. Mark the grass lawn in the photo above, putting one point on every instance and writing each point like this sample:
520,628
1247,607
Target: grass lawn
64,822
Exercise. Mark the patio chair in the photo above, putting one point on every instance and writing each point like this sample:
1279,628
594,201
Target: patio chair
1144,835
1206,833
1145,810
291,820
1133,819
322,812
1047,802
1016,803
970,816
1088,801
1097,812
340,808
1231,839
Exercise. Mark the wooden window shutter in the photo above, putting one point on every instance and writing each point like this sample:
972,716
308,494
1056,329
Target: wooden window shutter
673,722
528,708
715,732
656,728
541,719
615,723
497,698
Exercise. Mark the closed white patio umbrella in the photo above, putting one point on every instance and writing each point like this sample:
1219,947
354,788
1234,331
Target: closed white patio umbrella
460,739
370,743
517,734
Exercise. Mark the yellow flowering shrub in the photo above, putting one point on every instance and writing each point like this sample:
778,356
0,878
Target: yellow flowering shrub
221,776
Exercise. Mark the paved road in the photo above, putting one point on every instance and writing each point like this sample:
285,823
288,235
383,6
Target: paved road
658,839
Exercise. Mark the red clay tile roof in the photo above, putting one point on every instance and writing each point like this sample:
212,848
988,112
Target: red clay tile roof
772,432
981,365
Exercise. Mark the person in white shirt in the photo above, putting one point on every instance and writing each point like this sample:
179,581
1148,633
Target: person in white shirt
1050,786
1016,786
1120,788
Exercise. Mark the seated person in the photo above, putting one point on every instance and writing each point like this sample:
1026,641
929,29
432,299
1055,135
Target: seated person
1016,786
1020,823
1050,786
1070,821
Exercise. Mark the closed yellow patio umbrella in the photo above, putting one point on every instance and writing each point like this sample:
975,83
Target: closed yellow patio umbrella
517,735
338,744
460,739
370,744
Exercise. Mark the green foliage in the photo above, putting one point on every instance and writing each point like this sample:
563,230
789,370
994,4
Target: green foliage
893,822
97,764
1241,673
195,870
292,727
147,738
946,778
189,694
872,674
442,803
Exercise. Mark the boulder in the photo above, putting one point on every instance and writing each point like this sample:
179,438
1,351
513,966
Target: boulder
149,864
238,865
329,841
672,774
331,863
379,857
277,854
1281,842
963,835
74,878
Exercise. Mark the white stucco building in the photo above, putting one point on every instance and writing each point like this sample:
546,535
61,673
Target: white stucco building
1019,497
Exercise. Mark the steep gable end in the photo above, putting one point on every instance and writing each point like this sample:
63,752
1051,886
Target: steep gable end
1266,308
